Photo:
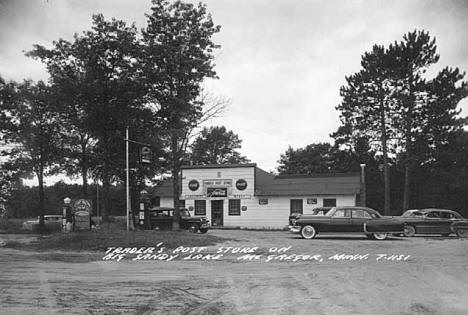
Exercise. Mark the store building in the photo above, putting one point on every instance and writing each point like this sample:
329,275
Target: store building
243,195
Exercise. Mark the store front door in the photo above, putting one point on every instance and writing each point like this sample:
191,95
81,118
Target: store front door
217,212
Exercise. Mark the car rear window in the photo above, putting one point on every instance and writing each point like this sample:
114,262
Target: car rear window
342,213
433,214
360,214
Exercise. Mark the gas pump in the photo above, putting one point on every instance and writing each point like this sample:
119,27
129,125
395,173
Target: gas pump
143,217
67,216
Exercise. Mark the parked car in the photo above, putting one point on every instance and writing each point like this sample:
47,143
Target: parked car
51,221
315,211
348,220
162,218
433,221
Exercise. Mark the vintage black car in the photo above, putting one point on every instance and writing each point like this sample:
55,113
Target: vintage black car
433,221
315,211
161,218
52,222
348,220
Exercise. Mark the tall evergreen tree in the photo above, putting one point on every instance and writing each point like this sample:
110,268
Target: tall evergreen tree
412,56
367,109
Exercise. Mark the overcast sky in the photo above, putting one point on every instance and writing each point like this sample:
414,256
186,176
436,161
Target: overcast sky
281,62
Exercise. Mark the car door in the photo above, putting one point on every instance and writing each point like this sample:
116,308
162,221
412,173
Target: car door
358,218
161,219
446,219
431,223
340,221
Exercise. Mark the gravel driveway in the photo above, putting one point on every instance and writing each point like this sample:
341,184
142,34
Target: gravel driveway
282,274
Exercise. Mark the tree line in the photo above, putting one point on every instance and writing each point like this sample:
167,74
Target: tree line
404,125
107,79
213,145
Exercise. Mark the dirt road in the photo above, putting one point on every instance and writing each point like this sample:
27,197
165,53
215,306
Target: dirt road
426,275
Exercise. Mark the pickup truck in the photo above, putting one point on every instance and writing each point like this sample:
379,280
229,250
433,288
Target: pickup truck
161,218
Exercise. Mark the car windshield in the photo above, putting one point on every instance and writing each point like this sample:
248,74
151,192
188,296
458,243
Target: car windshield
412,213
320,211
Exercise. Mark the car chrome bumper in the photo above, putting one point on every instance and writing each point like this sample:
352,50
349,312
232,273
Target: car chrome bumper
204,226
294,228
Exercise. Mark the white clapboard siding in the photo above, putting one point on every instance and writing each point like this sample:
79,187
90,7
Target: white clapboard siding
273,215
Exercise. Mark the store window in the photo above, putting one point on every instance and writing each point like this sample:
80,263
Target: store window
234,206
295,206
200,207
329,202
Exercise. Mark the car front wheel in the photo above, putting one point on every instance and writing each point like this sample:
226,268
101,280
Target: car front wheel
379,236
193,228
462,233
203,231
308,232
409,231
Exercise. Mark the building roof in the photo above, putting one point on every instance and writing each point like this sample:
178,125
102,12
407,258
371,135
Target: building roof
306,185
267,184
218,166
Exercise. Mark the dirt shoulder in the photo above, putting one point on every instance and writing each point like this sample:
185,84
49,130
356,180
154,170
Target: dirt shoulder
352,277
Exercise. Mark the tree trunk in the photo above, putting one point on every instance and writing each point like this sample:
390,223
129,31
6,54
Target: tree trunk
383,139
84,166
175,180
409,152
84,171
406,192
40,178
386,185
105,193
411,103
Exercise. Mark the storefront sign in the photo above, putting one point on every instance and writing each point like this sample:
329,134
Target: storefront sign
82,205
193,185
193,197
242,196
311,201
218,182
241,184
263,201
82,211
216,192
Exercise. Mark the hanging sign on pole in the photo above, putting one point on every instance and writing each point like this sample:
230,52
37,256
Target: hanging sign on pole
145,155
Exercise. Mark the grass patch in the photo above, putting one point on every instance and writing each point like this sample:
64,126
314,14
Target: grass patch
12,226
15,226
100,240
